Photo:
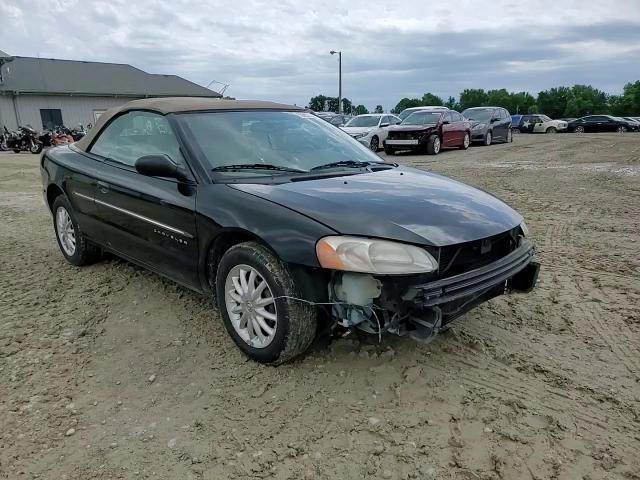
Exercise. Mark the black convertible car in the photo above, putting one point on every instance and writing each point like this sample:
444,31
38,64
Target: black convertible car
287,222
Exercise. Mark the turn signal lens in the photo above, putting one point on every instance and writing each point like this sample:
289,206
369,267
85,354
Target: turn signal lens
355,254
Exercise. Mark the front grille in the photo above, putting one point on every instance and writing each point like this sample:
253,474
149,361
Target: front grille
403,135
460,258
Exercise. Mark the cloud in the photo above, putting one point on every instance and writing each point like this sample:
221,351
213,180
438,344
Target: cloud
280,50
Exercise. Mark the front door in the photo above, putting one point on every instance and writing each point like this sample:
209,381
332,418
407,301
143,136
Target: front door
150,220
448,131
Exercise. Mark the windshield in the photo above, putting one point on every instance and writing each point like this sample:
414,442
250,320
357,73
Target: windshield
422,118
363,122
295,140
478,114
544,118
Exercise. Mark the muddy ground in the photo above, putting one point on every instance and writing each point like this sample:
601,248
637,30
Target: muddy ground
112,372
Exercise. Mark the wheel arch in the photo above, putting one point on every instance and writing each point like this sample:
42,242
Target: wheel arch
53,192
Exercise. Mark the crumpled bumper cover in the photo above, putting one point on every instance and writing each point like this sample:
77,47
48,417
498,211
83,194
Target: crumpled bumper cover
517,271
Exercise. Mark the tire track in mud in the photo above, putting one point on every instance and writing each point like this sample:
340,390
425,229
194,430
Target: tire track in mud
528,390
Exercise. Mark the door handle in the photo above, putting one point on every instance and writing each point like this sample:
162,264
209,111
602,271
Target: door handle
103,187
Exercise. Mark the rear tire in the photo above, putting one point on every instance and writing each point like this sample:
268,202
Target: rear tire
294,323
74,246
433,145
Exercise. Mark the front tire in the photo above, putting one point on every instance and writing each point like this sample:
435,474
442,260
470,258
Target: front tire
74,246
466,141
389,151
260,305
509,136
433,145
621,129
551,130
36,148
374,145
578,129
488,138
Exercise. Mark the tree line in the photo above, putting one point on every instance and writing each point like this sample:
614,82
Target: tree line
557,102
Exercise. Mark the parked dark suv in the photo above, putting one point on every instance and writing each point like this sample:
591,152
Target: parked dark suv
429,131
489,124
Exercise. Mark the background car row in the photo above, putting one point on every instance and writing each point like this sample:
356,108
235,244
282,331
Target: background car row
591,123
429,129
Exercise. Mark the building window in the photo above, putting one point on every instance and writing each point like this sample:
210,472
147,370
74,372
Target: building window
97,114
51,118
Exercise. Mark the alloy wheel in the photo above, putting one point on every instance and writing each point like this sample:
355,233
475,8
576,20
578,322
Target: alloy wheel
436,145
622,129
375,144
579,129
251,306
466,141
66,232
488,139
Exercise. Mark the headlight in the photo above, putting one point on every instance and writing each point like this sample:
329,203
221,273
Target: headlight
360,135
365,255
525,230
479,126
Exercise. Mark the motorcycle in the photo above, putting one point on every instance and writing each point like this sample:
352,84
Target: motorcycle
62,136
3,140
78,132
24,140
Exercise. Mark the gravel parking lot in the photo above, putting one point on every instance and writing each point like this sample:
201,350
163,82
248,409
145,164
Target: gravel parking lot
112,372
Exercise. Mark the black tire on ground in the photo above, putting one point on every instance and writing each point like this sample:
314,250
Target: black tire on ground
374,145
36,148
389,151
85,253
578,129
433,145
296,320
15,150
509,136
466,141
621,129
488,138
551,130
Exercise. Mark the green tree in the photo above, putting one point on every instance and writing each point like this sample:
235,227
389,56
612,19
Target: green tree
473,97
407,103
347,106
523,102
586,100
317,103
360,110
379,109
452,104
629,102
553,102
430,99
500,98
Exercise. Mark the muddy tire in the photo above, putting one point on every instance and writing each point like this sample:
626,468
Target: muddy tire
73,245
389,151
291,323
433,145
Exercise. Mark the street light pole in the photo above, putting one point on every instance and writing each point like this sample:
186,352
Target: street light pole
333,52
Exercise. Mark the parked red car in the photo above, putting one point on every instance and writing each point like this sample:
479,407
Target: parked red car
429,131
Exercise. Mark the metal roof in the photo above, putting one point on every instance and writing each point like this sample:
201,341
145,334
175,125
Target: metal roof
180,104
29,75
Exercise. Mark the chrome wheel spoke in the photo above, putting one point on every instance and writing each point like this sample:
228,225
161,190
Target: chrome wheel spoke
251,306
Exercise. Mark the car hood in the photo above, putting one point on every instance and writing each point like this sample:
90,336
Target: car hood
403,204
402,128
356,130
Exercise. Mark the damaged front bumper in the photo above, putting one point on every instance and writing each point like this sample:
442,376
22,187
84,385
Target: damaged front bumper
423,309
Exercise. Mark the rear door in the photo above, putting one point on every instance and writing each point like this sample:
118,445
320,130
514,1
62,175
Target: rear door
150,220
448,130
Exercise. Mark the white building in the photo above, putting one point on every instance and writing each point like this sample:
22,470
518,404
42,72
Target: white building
45,92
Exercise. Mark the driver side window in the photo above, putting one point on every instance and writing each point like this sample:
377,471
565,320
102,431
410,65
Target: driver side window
136,134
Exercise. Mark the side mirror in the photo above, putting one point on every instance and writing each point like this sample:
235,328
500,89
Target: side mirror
446,122
160,165
386,124
494,120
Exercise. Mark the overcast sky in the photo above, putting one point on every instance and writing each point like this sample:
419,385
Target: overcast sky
391,49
